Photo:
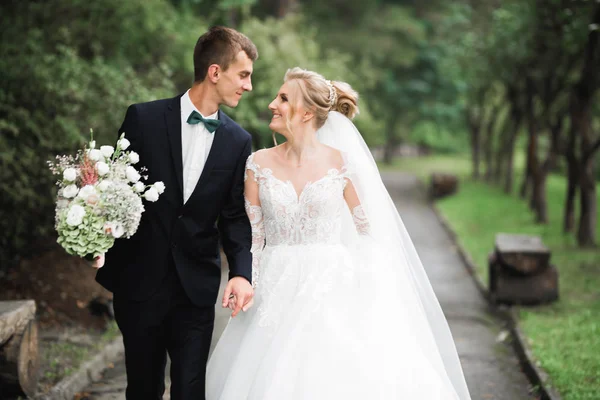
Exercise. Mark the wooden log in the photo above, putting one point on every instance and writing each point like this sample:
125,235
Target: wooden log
14,316
510,287
522,253
20,362
442,185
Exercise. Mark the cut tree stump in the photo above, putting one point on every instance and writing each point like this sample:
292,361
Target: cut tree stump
442,185
19,348
508,286
522,253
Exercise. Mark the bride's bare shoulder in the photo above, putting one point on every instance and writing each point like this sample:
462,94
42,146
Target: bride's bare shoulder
265,156
335,156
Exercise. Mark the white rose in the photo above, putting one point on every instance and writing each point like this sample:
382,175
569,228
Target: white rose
134,157
95,154
139,187
107,151
70,191
132,175
102,168
124,144
92,144
86,191
159,186
151,194
70,174
75,215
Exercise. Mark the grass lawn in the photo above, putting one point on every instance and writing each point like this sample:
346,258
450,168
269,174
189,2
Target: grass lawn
564,336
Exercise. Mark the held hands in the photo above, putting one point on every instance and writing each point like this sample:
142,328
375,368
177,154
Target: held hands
238,295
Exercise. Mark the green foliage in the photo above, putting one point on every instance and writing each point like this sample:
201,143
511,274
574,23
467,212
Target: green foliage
437,138
283,44
59,80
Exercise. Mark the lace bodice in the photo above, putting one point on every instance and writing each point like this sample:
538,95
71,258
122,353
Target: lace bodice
311,217
284,217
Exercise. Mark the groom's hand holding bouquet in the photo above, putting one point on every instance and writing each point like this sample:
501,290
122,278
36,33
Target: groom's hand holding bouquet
99,198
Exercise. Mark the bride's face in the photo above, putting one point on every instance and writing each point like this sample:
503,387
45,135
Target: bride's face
282,112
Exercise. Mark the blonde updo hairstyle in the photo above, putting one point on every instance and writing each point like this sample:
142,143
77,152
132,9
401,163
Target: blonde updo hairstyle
319,96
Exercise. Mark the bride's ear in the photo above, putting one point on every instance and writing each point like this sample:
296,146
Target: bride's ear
307,116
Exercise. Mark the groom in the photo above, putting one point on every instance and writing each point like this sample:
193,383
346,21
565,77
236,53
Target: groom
165,278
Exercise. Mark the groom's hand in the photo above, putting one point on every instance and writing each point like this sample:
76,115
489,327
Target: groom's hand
242,293
98,262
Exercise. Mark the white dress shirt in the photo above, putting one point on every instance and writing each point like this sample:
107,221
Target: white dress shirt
196,142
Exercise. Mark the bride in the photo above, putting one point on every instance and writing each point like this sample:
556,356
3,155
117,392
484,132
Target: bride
343,308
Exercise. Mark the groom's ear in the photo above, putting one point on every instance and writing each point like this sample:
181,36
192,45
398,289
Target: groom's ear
214,73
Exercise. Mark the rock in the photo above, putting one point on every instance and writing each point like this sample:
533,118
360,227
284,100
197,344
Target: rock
442,185
19,348
508,286
14,316
522,253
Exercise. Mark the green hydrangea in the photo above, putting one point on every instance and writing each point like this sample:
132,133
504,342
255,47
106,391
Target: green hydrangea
86,239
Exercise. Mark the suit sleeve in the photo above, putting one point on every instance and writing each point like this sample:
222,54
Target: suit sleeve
234,226
131,128
116,255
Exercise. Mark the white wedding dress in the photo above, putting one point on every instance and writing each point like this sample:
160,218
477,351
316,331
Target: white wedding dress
332,318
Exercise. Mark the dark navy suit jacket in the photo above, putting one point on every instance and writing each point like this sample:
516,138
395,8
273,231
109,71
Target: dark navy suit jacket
189,233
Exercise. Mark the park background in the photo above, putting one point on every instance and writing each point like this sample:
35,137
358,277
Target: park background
503,94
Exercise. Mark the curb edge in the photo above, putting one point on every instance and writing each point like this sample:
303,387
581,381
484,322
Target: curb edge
537,376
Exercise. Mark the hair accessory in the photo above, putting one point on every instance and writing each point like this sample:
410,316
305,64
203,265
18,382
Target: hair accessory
332,94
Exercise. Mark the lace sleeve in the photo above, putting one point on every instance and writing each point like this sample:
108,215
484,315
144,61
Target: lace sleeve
255,215
361,222
258,238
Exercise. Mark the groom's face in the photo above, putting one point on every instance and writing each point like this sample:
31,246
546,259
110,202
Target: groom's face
236,80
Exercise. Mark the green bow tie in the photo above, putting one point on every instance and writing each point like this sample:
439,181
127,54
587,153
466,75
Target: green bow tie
210,124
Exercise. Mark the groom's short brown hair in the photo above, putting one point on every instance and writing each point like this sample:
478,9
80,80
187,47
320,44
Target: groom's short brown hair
220,45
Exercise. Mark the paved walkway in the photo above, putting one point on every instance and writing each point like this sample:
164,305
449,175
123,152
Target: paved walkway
491,368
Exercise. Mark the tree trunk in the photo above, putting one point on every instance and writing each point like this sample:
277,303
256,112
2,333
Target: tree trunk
581,111
572,185
488,148
391,142
475,150
586,234
516,117
500,153
532,174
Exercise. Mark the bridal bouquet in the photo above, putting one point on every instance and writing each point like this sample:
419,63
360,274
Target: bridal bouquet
99,197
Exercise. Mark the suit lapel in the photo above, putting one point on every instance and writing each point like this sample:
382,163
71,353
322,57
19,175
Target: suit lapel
219,145
173,120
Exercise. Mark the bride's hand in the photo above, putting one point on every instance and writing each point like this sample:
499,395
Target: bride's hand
239,291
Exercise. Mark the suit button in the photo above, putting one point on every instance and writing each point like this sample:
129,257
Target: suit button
173,245
180,216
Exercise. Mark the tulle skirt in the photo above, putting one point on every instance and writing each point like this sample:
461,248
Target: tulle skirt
329,322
